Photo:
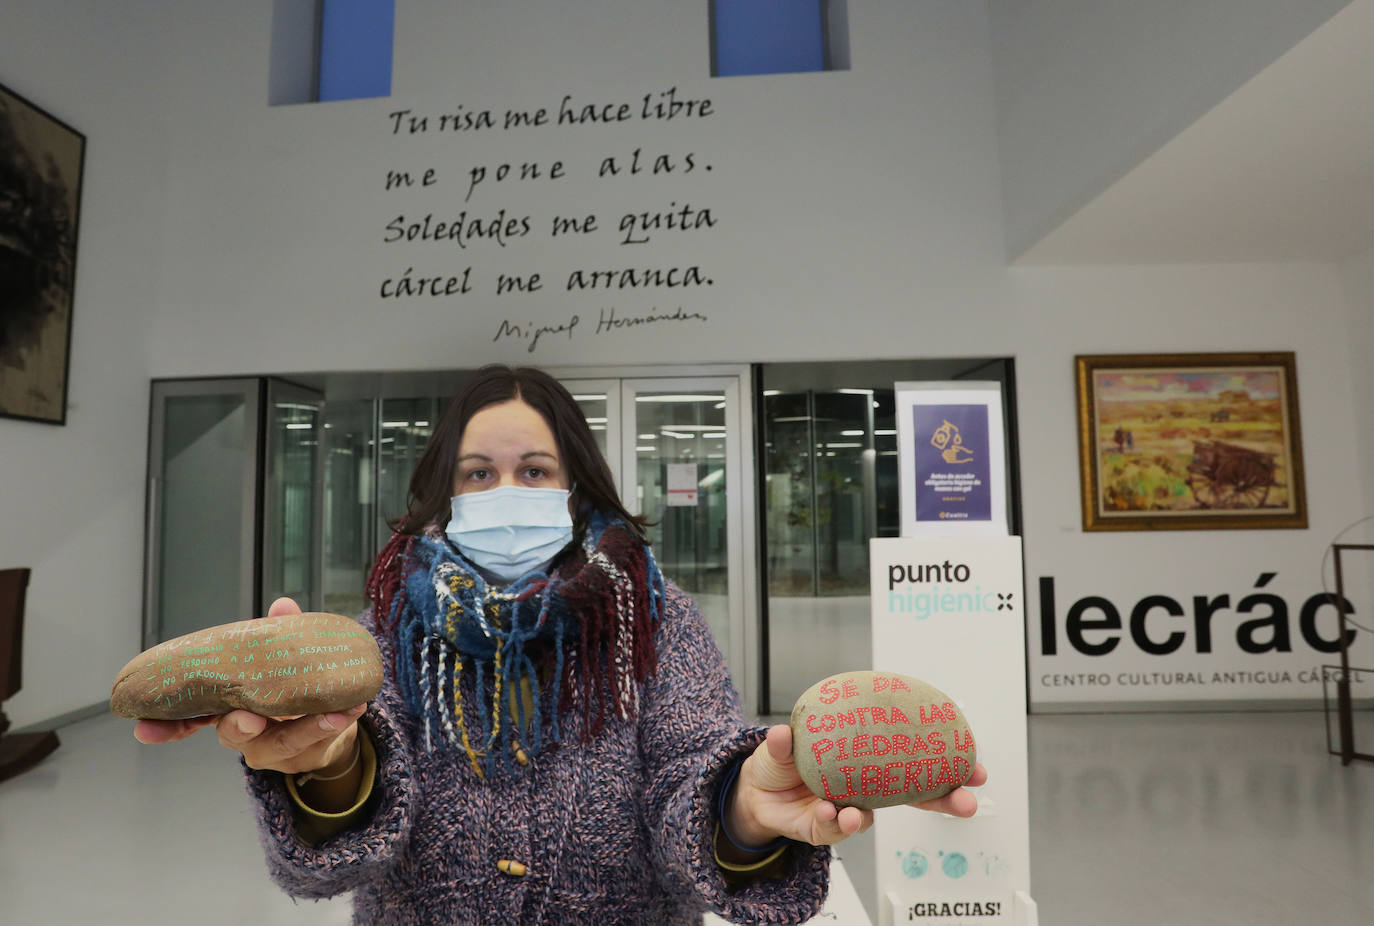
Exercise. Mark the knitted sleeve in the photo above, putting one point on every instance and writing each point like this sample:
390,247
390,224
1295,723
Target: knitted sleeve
691,729
358,855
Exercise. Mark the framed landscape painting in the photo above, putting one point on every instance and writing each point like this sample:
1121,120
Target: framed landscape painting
41,160
1180,441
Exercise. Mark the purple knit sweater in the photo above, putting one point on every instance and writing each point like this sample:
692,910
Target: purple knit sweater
619,831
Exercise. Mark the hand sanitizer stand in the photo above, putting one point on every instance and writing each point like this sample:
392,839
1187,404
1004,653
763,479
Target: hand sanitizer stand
949,611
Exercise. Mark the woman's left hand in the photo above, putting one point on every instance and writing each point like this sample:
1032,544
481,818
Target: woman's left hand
770,800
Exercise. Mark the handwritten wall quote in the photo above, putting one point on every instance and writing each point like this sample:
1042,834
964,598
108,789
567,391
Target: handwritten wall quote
656,286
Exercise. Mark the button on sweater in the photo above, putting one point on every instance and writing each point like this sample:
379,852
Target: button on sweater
616,831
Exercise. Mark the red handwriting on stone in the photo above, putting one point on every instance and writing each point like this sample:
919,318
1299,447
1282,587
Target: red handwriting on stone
867,733
893,778
833,689
877,744
858,717
883,683
938,713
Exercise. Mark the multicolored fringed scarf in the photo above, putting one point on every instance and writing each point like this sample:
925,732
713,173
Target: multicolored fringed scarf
589,625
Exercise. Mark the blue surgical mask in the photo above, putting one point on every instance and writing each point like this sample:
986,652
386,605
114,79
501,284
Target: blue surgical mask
510,530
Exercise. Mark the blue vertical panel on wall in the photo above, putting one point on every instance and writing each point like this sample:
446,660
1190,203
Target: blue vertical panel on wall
767,36
355,48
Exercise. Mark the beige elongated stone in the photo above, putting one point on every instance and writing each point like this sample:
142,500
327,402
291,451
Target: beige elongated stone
878,739
308,663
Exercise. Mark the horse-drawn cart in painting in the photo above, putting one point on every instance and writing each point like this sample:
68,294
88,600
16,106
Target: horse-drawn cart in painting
1223,475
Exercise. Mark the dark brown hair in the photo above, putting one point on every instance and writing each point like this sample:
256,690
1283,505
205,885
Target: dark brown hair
589,478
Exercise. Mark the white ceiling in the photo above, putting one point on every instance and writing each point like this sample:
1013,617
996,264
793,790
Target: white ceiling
1283,169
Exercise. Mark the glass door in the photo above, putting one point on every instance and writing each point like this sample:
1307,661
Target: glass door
829,460
293,508
599,400
828,455
350,501
234,502
202,505
683,465
402,435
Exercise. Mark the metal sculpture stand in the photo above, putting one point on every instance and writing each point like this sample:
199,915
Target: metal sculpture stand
1344,706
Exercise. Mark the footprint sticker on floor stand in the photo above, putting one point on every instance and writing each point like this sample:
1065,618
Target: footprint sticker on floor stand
954,864
914,863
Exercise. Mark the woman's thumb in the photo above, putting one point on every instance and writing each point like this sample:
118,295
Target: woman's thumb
773,768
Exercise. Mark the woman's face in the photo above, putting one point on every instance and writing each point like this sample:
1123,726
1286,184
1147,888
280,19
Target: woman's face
508,444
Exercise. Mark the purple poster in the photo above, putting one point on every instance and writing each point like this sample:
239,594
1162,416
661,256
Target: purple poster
952,463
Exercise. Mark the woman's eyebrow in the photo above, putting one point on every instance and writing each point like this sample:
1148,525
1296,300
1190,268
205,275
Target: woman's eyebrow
524,456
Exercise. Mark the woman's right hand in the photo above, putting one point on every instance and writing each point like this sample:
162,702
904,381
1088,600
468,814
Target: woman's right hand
312,742
326,743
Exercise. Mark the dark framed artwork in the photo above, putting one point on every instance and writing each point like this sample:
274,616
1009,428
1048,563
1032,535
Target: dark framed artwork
1180,441
41,162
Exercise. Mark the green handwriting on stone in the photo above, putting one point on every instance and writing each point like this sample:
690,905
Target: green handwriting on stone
169,681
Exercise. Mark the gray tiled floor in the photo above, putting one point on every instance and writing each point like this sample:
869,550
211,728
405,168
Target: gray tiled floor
1199,819
1136,819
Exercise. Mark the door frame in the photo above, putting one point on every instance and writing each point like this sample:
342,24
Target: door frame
611,386
745,657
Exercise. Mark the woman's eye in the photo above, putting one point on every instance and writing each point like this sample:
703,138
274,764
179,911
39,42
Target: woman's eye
477,474
534,472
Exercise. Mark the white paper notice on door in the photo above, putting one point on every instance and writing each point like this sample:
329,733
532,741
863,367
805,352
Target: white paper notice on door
682,484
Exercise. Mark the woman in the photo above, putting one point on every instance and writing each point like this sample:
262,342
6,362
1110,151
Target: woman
557,739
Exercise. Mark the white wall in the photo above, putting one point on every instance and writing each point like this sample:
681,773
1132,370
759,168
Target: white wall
71,498
1357,280
1298,307
1087,89
822,185
858,215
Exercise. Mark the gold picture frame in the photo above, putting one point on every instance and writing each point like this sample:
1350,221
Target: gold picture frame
41,163
1190,441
